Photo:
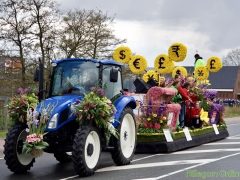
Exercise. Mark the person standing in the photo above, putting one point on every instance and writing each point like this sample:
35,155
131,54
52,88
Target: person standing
198,61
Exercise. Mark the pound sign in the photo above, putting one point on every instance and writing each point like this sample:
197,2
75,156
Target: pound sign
136,63
212,62
122,55
175,49
200,73
161,63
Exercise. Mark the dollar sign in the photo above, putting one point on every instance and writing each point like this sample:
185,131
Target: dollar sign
212,62
122,55
136,63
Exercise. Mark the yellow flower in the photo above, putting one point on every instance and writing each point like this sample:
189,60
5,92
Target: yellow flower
137,64
160,121
137,123
154,115
179,70
150,74
149,119
122,54
214,64
177,52
201,73
163,64
204,116
164,118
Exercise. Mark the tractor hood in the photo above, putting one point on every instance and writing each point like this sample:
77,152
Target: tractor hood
59,103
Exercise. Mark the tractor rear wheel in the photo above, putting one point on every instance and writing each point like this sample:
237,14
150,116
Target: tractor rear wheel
86,150
17,161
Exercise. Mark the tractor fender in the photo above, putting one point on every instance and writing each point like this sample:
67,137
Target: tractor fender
120,104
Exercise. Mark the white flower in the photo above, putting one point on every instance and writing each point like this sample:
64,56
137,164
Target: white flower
111,129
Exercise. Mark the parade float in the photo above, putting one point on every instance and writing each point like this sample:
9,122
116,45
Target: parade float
158,111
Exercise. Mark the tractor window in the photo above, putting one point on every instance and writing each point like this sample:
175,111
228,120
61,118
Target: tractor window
112,88
74,77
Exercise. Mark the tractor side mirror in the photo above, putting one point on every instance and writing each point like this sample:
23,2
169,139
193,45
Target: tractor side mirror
36,75
113,75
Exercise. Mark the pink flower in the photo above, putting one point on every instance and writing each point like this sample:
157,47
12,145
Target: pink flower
157,126
145,125
150,125
102,114
89,116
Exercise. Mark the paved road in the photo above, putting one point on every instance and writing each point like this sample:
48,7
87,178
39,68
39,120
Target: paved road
219,159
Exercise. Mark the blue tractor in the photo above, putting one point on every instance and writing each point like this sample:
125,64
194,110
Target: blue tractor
71,79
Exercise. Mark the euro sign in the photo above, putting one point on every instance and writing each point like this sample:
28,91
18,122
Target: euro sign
212,62
122,55
200,73
136,63
161,62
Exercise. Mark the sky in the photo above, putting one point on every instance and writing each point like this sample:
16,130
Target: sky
209,27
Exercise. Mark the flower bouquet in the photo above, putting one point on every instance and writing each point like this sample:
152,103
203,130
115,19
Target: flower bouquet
153,118
97,110
18,105
34,143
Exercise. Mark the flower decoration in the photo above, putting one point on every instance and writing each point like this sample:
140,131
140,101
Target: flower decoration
96,109
214,64
18,105
153,118
34,143
138,64
210,94
150,74
177,52
163,64
122,54
201,73
179,70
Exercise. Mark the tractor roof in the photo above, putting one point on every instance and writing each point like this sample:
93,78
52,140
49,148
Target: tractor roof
112,62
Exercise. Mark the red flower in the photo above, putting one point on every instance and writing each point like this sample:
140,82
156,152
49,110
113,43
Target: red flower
157,126
145,125
150,125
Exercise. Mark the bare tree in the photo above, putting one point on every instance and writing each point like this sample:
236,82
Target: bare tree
15,24
232,58
88,33
103,41
74,35
46,15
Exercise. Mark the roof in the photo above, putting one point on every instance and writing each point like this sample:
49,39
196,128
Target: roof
112,62
225,78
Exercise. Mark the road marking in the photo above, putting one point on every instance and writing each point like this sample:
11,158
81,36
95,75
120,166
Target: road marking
206,151
191,167
221,143
168,163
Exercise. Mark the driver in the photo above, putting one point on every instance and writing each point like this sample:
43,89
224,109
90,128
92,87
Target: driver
74,79
92,80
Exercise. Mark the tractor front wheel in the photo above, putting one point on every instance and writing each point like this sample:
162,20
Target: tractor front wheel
125,145
86,150
17,161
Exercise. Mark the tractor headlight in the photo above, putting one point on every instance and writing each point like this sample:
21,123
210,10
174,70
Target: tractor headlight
53,122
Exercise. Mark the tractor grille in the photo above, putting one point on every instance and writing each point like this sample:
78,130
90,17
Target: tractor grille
63,115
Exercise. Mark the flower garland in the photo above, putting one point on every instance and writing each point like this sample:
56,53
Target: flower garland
163,64
201,73
19,104
214,64
97,110
122,54
177,52
179,70
138,64
150,74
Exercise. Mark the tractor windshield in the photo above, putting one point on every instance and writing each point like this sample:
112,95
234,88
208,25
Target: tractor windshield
74,77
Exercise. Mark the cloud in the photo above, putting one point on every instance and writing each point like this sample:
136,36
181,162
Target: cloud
150,27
